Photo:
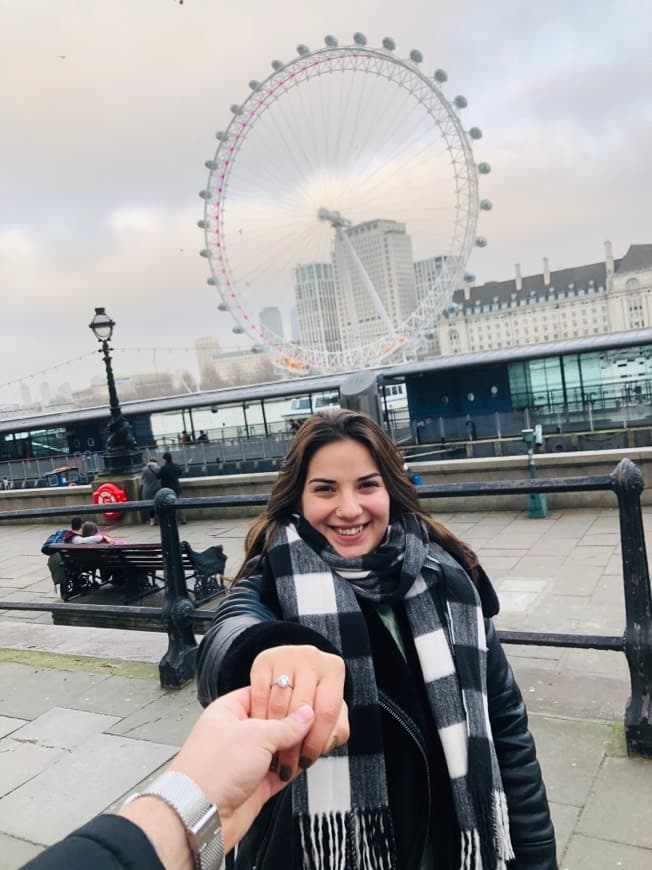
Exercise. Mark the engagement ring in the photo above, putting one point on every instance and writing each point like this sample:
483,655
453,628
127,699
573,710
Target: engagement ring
283,682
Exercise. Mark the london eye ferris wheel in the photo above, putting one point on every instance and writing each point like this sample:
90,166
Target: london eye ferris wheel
343,186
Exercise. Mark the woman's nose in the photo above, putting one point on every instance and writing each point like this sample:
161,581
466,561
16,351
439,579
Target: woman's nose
348,505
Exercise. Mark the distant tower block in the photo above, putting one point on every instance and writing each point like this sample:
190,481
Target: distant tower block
314,289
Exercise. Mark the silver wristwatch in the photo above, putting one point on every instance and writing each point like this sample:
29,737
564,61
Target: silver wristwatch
201,818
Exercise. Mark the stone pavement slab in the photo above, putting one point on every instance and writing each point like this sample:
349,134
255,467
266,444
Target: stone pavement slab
60,728
8,724
16,852
78,786
584,853
621,800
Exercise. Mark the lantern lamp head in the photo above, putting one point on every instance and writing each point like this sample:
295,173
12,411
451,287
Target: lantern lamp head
102,325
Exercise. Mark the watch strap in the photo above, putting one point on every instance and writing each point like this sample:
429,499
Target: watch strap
200,817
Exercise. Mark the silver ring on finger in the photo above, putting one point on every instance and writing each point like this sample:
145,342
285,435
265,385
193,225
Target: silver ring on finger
283,681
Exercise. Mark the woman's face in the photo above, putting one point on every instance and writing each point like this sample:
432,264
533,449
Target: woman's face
344,498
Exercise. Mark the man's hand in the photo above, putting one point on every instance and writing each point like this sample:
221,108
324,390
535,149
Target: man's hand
228,755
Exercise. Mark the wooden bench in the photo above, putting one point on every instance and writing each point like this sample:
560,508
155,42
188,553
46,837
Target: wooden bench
139,568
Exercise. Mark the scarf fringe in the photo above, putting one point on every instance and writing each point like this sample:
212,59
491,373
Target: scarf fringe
356,840
504,848
476,844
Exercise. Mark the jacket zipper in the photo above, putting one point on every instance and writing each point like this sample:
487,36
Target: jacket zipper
405,723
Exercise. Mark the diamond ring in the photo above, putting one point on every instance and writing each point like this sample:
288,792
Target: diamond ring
283,682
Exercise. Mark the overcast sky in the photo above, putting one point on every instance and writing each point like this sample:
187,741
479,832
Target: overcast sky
109,109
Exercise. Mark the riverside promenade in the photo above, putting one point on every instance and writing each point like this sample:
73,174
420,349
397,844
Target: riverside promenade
83,720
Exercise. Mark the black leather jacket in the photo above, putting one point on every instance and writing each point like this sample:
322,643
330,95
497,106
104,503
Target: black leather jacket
249,622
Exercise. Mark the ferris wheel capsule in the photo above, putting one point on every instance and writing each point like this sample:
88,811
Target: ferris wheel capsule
440,76
205,253
277,65
210,280
210,164
330,41
237,329
416,56
469,278
254,85
221,136
475,133
302,50
204,194
359,38
484,168
461,102
389,44
203,224
486,204
480,242
222,306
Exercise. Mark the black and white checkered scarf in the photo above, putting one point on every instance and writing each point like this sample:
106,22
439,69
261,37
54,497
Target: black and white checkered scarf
340,805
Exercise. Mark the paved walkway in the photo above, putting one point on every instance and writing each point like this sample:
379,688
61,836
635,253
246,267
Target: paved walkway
83,720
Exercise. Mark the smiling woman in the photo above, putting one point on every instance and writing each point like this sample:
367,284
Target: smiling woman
345,499
356,601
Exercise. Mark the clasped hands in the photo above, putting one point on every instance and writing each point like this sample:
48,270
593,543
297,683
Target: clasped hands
316,679
248,744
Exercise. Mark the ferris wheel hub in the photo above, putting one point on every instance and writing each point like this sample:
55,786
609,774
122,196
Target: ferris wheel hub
333,217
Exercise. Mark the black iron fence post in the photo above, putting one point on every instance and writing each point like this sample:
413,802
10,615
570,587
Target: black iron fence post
178,665
628,484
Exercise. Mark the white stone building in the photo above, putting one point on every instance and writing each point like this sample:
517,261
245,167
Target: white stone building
610,296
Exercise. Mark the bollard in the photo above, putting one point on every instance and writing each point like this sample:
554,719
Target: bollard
179,664
537,506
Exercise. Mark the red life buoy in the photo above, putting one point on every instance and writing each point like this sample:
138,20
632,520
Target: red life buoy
109,493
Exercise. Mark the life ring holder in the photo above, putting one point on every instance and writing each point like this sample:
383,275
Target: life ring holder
110,493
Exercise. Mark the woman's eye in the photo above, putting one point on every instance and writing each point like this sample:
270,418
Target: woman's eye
369,484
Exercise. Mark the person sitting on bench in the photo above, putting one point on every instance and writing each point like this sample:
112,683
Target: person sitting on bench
91,535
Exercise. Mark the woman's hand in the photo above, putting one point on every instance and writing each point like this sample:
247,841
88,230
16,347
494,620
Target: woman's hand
316,679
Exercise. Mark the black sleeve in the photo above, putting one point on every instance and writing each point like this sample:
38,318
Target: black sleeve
107,842
532,833
247,622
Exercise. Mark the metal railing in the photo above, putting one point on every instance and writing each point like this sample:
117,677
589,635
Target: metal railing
178,615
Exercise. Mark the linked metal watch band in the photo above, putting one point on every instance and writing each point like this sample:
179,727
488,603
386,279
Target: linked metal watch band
200,817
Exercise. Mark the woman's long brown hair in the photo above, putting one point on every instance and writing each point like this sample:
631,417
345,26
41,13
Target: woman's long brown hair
324,428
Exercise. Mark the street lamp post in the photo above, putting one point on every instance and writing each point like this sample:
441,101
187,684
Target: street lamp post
122,453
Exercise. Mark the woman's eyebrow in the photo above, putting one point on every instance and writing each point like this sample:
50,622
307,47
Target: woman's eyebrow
328,480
